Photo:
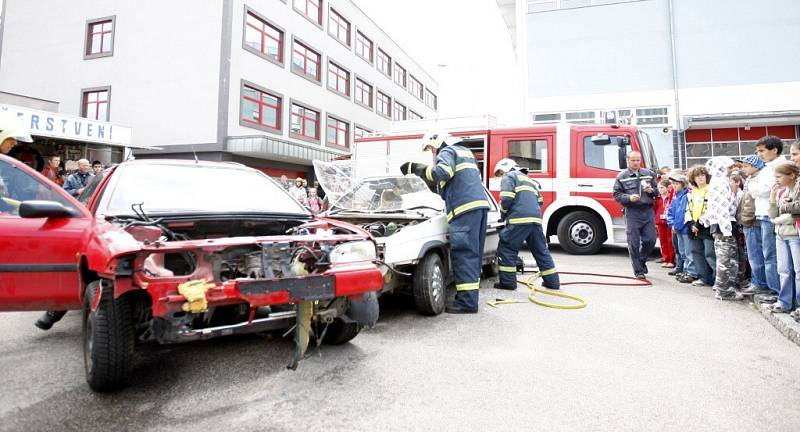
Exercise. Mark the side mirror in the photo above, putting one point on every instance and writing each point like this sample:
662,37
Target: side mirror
601,139
622,155
44,209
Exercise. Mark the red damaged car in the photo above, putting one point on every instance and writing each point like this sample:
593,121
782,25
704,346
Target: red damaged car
174,251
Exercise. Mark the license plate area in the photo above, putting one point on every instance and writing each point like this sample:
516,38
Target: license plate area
308,288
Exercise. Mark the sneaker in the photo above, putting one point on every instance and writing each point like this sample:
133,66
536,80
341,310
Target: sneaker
640,277
672,272
750,290
663,264
728,296
685,278
778,307
765,298
668,265
699,283
795,315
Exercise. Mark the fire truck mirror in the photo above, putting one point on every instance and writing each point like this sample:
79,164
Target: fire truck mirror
622,155
601,139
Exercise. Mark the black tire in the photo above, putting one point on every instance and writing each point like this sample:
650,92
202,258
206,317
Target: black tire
429,285
108,339
340,332
581,233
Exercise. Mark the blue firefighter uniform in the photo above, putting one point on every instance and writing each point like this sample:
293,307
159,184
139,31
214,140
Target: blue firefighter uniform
639,217
458,181
519,202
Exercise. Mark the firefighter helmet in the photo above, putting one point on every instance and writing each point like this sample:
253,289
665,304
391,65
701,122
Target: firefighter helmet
434,140
11,127
504,166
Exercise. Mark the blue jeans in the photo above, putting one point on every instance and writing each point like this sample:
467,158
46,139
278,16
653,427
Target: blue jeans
752,238
683,248
788,252
768,249
705,259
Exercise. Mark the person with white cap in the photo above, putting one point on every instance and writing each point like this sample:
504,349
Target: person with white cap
12,131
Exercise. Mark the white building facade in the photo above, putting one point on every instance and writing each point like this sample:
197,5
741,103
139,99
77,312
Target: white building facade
704,78
273,84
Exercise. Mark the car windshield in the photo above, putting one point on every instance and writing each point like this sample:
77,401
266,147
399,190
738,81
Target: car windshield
390,193
196,188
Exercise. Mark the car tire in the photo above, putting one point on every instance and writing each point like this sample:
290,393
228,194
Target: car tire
429,286
340,332
108,339
581,233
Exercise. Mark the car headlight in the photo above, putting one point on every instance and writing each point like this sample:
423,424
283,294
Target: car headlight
353,252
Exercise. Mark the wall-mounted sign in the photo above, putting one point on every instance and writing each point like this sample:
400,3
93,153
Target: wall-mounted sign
54,125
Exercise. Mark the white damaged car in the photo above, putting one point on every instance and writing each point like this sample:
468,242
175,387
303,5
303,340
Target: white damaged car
409,225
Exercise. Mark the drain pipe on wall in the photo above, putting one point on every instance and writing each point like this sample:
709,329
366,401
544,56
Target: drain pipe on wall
675,82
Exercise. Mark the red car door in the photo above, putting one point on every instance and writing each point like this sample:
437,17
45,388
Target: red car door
39,257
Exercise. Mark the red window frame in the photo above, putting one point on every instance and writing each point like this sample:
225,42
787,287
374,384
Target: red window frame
339,126
262,104
383,104
400,111
338,23
304,118
384,62
415,87
362,88
309,56
431,100
362,41
309,6
92,100
336,75
400,75
102,32
262,29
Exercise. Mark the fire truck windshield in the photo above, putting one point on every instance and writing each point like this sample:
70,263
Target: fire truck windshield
646,147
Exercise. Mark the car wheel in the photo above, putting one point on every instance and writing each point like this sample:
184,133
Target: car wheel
581,233
108,339
340,332
429,285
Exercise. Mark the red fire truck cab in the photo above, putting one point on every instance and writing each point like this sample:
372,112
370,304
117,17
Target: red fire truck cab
575,165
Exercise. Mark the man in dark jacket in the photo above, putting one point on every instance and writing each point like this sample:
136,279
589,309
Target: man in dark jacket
635,188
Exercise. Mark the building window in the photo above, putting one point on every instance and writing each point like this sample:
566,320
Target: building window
652,116
384,104
99,38
263,38
95,104
547,118
305,61
415,87
261,108
311,9
305,123
581,117
363,93
431,100
360,132
400,75
338,79
339,27
364,47
384,63
399,111
338,132
414,116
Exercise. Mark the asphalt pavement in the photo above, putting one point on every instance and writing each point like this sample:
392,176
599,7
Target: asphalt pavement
665,357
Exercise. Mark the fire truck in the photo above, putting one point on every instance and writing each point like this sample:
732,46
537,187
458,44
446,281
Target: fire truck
574,165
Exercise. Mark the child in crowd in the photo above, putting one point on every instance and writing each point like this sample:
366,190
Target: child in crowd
737,184
718,216
784,203
684,270
314,201
660,206
703,254
752,165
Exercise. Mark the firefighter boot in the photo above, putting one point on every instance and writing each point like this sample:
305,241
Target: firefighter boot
46,321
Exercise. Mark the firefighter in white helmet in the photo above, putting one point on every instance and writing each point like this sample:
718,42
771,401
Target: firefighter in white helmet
457,179
520,207
11,131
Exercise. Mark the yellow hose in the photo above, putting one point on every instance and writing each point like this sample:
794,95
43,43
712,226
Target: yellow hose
581,303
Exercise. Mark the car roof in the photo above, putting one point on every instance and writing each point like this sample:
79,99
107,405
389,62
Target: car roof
186,162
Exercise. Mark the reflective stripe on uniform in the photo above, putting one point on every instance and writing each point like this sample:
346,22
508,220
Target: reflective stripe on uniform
629,179
465,154
445,167
508,269
466,165
467,207
429,173
548,272
468,286
525,179
508,194
525,220
525,188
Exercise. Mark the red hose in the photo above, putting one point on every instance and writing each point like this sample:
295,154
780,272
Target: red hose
639,282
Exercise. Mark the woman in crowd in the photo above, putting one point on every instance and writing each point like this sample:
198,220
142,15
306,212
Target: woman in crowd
784,203
703,255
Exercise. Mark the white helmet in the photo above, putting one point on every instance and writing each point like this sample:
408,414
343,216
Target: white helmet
11,127
504,166
434,140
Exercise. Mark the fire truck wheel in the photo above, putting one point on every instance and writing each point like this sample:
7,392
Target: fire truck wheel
581,233
108,339
340,332
429,285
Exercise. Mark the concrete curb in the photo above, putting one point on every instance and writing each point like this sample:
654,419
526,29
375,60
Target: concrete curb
785,324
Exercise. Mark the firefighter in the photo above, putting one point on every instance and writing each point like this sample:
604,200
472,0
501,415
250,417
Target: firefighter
520,207
635,189
457,178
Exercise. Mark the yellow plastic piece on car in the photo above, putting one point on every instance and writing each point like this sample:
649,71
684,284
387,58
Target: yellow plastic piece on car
195,293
